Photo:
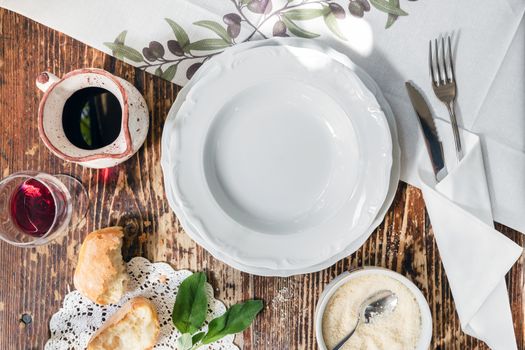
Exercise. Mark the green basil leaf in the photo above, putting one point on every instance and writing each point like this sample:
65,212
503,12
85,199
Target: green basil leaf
208,45
121,50
180,33
197,337
215,27
306,14
191,304
169,73
331,23
236,319
184,342
296,30
387,7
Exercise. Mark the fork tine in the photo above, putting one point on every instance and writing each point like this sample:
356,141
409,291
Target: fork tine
446,78
436,49
430,63
452,78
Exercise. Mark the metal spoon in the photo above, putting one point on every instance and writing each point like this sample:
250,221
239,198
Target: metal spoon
375,305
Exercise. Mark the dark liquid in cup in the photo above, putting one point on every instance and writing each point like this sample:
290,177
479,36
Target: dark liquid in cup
92,118
33,208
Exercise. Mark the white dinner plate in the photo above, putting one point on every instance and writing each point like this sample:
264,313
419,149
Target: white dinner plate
289,183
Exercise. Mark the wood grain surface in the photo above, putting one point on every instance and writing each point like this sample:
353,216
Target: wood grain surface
33,282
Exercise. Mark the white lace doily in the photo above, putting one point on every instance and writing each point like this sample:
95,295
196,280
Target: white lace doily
74,324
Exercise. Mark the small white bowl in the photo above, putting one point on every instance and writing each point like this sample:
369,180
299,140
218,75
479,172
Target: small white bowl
426,318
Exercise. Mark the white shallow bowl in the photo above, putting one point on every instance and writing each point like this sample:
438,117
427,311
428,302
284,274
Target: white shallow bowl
281,167
331,288
259,270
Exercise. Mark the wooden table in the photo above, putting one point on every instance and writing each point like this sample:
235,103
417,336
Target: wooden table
33,282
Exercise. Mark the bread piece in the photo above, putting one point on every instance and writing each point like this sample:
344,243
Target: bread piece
134,327
101,273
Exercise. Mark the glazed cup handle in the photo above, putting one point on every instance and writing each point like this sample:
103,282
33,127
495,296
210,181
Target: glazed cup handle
45,80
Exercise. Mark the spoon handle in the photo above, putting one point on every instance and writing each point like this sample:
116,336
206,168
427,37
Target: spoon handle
345,339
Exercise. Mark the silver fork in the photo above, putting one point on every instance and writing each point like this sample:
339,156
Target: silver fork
444,83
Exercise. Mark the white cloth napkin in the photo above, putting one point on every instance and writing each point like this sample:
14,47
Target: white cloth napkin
502,122
476,257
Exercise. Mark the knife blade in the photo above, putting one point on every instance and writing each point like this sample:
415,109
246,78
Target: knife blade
430,133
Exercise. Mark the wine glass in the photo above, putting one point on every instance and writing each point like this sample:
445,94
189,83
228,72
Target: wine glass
36,207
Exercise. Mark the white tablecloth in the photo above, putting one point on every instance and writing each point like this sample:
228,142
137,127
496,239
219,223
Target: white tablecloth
490,63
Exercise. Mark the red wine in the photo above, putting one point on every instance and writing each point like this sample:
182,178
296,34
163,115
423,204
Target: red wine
92,118
33,208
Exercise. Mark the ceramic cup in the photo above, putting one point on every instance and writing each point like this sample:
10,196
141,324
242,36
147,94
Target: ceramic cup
135,118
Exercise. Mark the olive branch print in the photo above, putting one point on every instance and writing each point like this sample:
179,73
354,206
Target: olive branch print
288,21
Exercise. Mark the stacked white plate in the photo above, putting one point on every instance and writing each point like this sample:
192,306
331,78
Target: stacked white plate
280,157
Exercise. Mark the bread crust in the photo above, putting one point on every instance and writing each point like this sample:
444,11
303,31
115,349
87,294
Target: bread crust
100,265
120,316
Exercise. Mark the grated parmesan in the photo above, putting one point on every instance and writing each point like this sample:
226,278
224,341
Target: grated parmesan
396,330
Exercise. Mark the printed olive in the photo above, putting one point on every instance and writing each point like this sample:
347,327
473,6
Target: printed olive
232,18
156,49
174,47
365,4
279,29
192,69
337,10
233,30
356,9
148,54
260,6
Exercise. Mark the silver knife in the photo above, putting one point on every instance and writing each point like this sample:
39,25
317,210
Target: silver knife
430,133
